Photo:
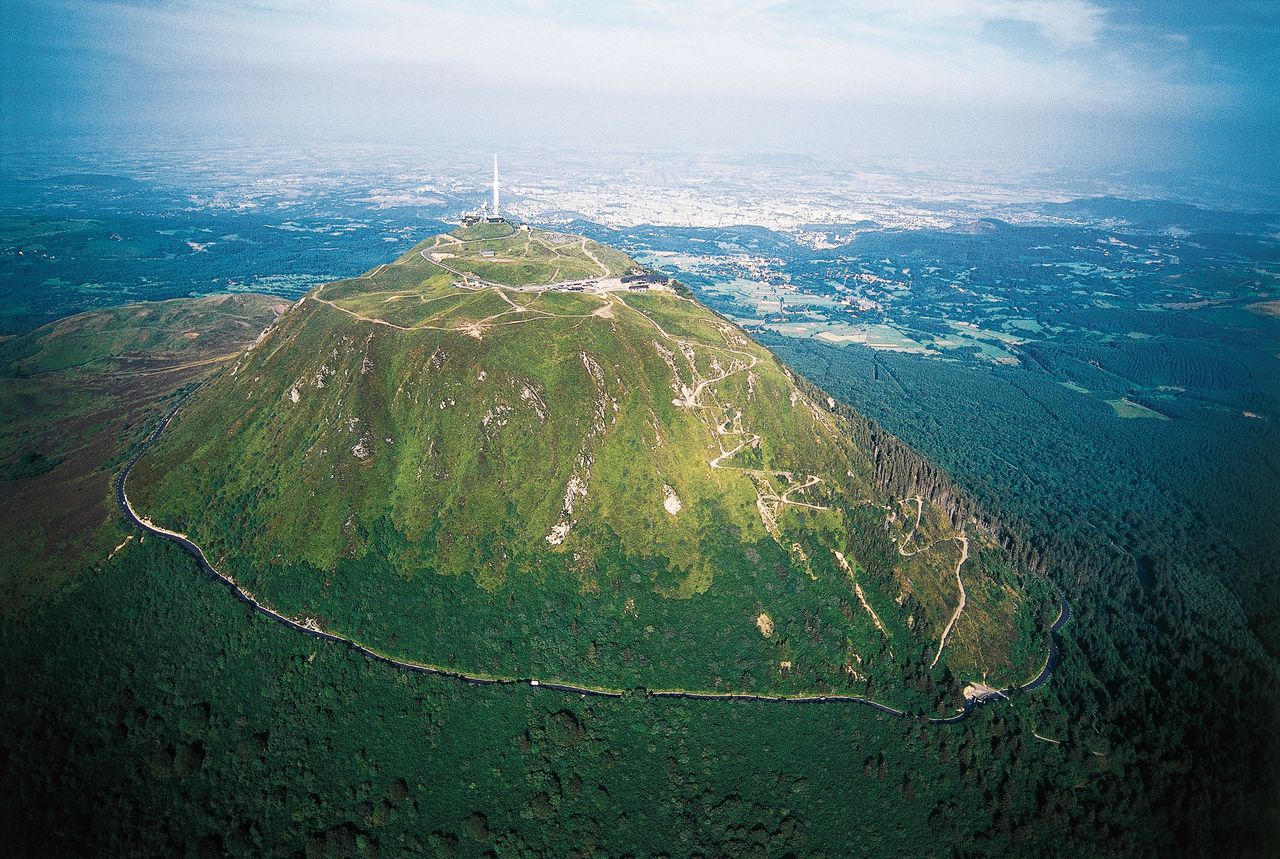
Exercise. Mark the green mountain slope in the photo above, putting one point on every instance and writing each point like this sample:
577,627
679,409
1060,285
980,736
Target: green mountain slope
74,395
451,464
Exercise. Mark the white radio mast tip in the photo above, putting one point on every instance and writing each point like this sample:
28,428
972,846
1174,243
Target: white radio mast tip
495,186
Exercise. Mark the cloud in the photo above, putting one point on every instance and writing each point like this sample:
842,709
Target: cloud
1064,23
873,53
792,73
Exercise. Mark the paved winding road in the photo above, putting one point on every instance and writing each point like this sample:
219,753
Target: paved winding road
308,628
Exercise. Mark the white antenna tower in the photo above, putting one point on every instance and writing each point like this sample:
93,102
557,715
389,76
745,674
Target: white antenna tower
495,186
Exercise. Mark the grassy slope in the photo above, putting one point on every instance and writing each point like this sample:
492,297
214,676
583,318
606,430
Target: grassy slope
518,257
399,484
75,394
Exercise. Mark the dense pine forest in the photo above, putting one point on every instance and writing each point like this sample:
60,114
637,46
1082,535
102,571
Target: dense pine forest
1171,655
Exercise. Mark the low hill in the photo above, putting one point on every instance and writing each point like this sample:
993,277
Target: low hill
492,455
75,394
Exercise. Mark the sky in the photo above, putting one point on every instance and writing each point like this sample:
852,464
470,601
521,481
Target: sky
1073,84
